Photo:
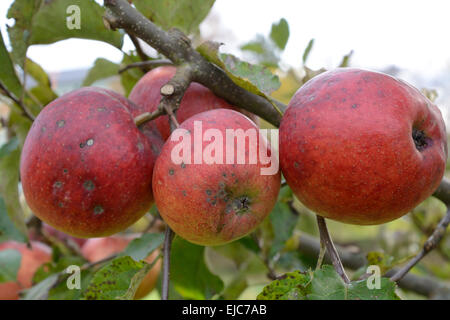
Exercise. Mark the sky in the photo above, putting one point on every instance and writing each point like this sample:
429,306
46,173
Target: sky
409,34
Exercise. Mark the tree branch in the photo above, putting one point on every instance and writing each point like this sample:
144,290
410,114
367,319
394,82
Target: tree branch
443,191
137,45
431,243
149,64
177,47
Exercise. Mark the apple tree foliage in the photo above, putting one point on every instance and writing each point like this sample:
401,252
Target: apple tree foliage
267,264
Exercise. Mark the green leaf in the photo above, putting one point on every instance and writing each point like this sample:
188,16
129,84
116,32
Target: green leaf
307,50
185,15
290,286
59,290
22,11
346,60
45,22
280,33
263,51
283,221
9,147
36,71
254,78
235,287
9,183
326,284
102,69
91,23
41,289
8,75
43,90
60,263
359,291
118,279
189,274
62,292
8,230
10,262
140,248
44,95
254,46
250,244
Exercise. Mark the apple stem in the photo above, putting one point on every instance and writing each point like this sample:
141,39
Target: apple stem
327,242
168,237
431,243
147,116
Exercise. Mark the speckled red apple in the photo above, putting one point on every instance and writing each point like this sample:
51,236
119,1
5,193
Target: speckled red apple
146,94
86,168
212,204
362,147
31,259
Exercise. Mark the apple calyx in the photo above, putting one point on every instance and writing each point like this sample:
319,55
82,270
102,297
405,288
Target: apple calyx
421,140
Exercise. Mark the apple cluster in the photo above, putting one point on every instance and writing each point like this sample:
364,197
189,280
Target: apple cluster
356,146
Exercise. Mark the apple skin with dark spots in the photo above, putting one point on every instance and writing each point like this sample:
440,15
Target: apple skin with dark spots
147,94
213,204
362,147
86,168
31,259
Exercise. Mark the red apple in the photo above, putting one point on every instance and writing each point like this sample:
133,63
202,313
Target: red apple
146,94
361,147
86,168
97,249
212,203
32,259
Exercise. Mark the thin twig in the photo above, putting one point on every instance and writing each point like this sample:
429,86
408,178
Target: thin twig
168,237
431,243
147,116
155,219
138,47
17,101
326,239
172,93
147,65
